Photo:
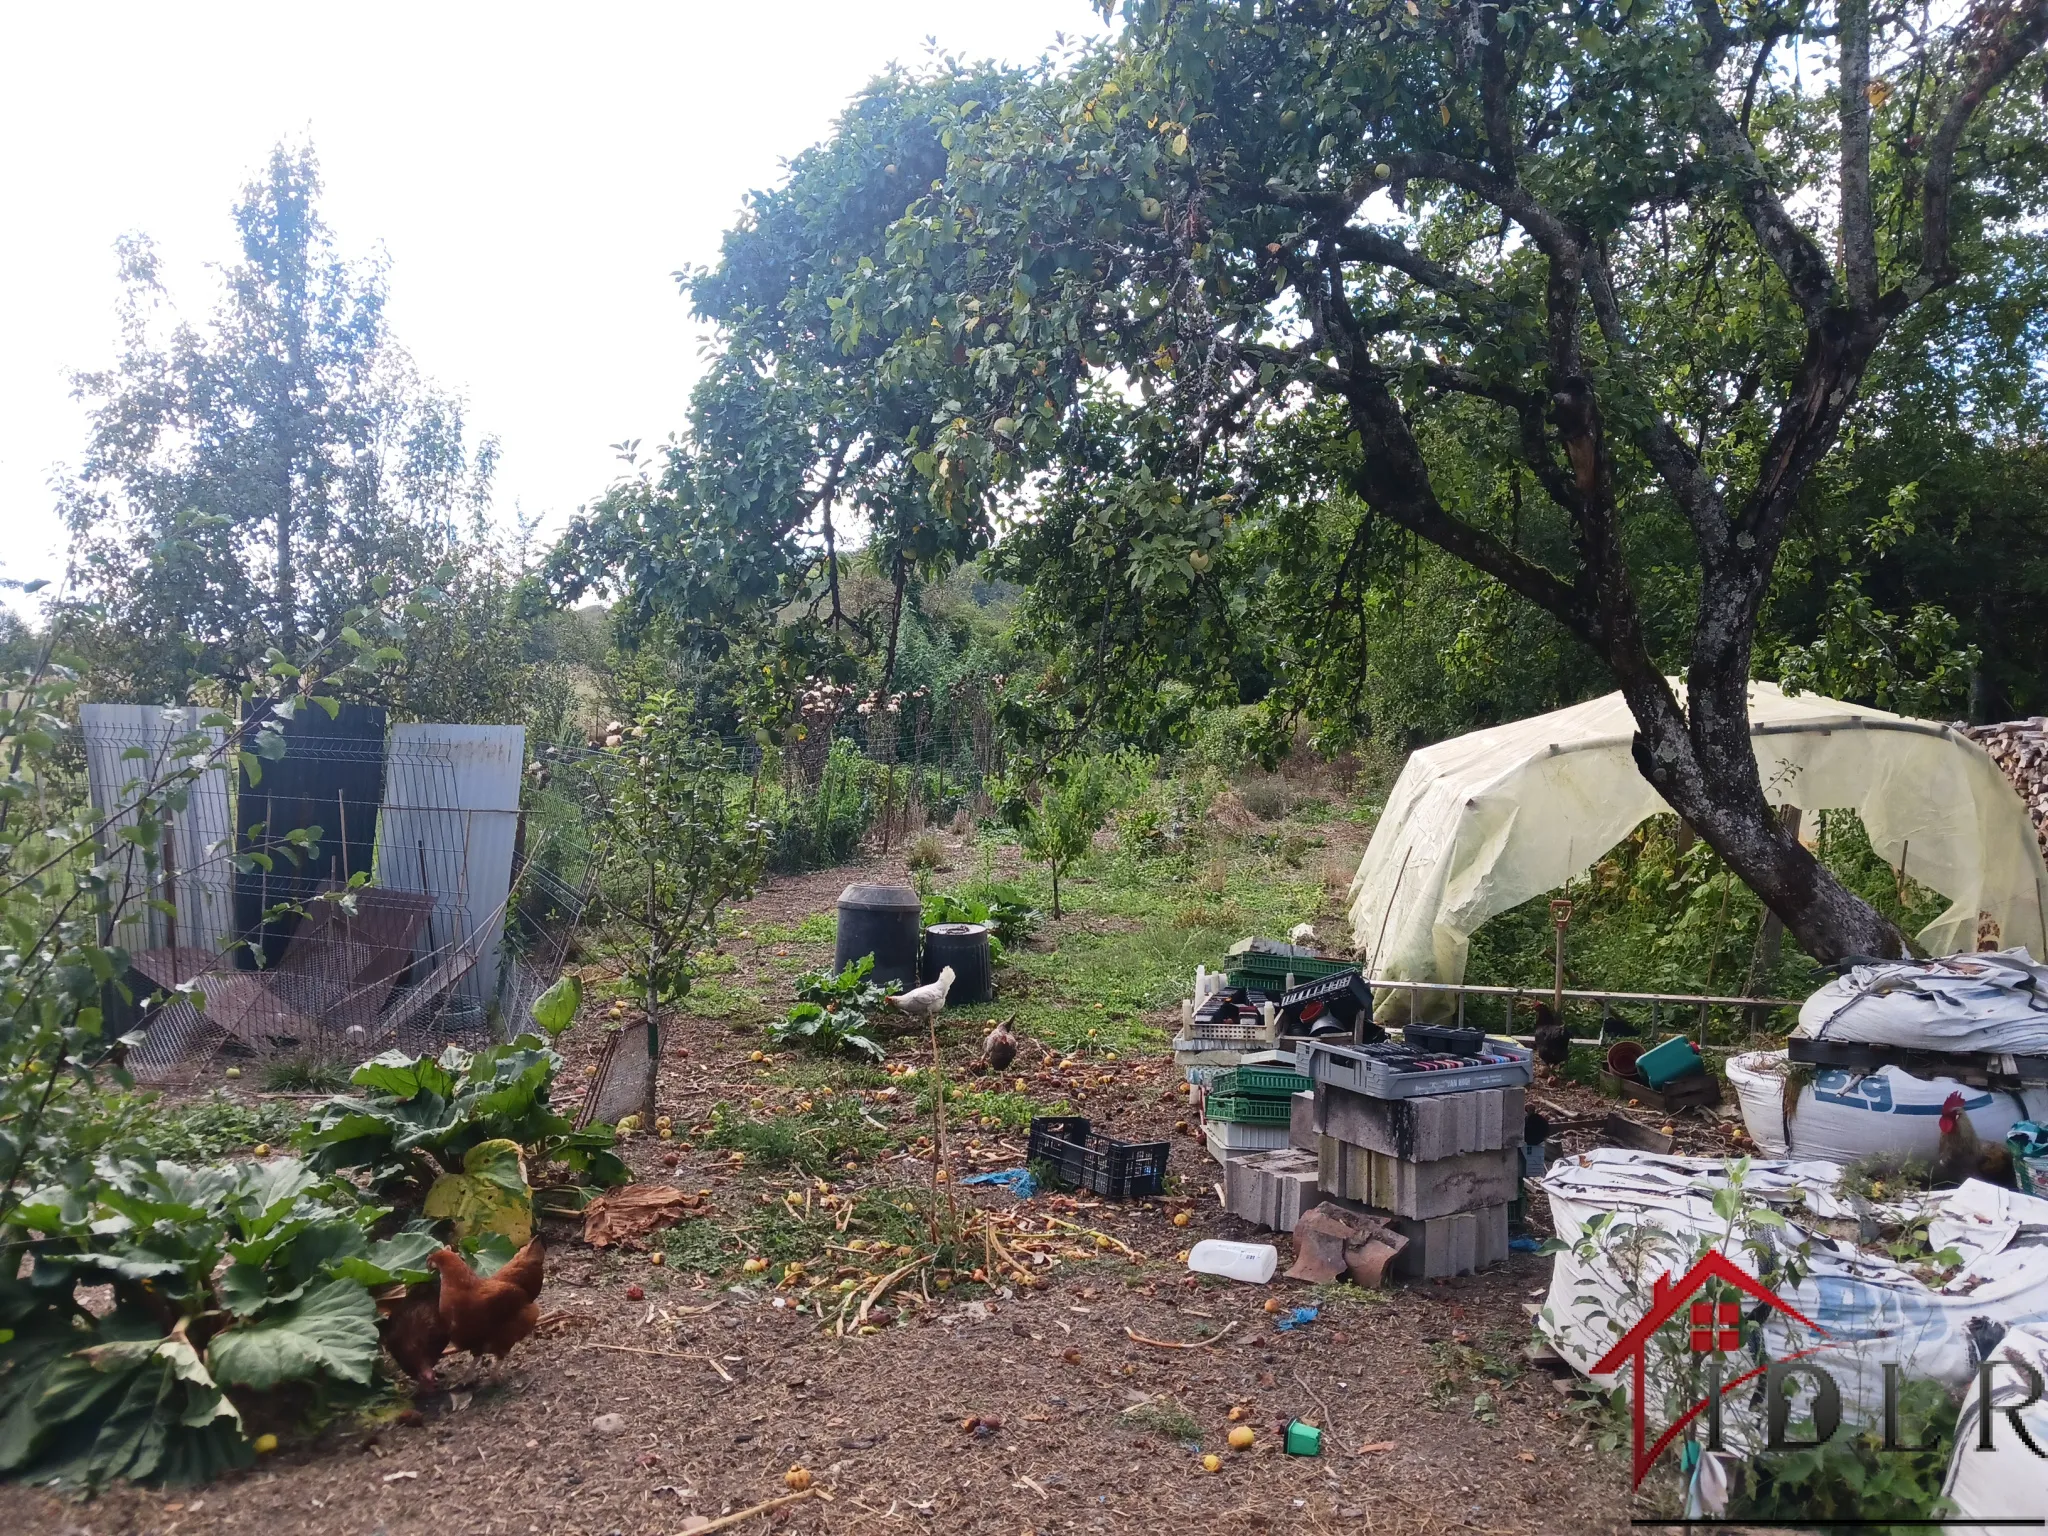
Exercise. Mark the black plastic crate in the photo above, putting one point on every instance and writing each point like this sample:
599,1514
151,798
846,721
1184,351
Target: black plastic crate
1076,1156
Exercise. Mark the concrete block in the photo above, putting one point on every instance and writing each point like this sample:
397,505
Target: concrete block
1423,1129
1441,1187
1458,1244
1271,1188
1301,1121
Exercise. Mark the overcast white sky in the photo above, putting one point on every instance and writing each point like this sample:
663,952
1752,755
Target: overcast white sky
536,174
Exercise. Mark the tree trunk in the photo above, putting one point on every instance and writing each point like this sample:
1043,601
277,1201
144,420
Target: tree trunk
287,575
1719,793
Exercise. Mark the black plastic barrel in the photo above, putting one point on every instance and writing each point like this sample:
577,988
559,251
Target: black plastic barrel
963,946
884,921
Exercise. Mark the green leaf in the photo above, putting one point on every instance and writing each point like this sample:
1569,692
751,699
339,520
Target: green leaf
332,1330
555,1009
402,1256
490,1195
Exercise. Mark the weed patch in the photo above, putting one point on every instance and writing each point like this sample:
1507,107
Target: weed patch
212,1128
813,1141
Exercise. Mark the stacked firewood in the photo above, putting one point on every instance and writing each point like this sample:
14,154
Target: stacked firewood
2020,748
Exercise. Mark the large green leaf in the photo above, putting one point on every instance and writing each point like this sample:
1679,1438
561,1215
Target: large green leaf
402,1075
489,1195
144,1409
555,1009
402,1256
267,1191
331,1331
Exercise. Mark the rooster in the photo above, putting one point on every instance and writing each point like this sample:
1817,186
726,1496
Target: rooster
924,1003
1962,1155
488,1314
1553,1039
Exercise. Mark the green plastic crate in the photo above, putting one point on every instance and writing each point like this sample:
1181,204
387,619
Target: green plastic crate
1269,972
1260,1082
1240,1109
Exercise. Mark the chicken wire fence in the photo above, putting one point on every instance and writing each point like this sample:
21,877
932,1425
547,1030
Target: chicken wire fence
405,914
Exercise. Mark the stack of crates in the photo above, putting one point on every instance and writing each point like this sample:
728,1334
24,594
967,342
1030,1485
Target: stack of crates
1248,1106
1425,1130
1265,965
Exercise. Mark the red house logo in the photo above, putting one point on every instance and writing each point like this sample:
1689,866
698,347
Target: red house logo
1713,1328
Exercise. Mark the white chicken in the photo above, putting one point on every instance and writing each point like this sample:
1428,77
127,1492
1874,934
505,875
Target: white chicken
1302,933
924,1003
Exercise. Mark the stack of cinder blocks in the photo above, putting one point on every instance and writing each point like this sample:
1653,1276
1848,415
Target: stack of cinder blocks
1271,1188
1445,1166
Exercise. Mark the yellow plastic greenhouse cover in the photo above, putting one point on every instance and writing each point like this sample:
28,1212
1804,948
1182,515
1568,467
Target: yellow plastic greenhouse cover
1482,823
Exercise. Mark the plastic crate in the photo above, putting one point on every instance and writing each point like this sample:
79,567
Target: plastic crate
1269,973
1242,1109
1075,1155
1230,1138
1378,1073
1266,1082
1232,1031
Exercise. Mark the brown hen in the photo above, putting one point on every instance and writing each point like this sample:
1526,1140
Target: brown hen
487,1315
413,1331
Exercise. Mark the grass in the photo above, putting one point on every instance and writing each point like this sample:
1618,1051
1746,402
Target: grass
1167,1419
304,1074
990,1110
814,1072
817,928
711,997
1136,928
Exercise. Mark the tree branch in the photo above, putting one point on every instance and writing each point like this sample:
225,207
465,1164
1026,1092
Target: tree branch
1792,250
1369,246
2026,27
1859,234
1392,479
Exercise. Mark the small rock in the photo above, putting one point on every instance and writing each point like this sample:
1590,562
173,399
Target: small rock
609,1424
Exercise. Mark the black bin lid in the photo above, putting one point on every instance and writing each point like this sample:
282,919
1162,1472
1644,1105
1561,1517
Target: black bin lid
881,898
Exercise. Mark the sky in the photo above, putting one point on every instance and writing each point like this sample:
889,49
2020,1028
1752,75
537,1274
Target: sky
535,175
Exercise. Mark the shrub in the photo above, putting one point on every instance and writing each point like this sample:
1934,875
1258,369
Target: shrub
1265,798
420,1118
832,1013
227,1282
1079,792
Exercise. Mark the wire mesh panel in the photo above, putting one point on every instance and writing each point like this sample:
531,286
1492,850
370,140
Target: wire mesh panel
298,959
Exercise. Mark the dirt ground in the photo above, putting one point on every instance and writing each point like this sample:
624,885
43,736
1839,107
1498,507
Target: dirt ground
631,1416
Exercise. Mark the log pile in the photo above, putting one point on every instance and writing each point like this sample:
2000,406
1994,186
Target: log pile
2020,748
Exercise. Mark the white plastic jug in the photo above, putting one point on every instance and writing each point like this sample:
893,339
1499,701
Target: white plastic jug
1252,1263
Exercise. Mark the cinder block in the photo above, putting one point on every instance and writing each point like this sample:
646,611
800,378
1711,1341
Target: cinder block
1441,1187
1301,1121
1271,1188
1458,1244
1422,1129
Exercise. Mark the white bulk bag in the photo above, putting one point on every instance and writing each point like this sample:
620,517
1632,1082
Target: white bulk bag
1843,1116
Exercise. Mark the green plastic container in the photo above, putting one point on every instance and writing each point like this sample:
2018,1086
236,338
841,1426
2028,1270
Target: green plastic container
1675,1058
1260,1082
1242,1109
1304,1439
